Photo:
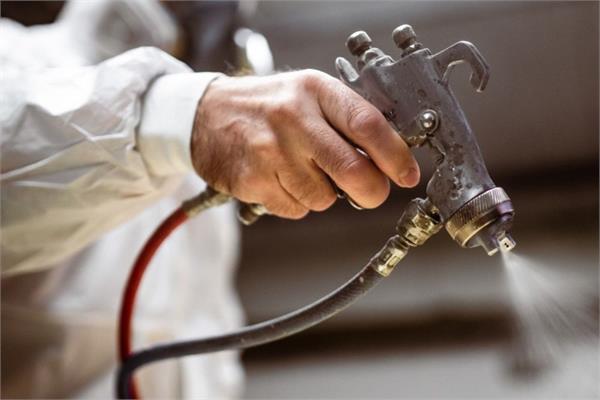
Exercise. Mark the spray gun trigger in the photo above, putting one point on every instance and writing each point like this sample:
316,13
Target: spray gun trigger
342,195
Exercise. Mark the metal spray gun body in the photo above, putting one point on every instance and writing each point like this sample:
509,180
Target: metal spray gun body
413,94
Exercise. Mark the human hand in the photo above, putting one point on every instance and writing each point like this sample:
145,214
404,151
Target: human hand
281,141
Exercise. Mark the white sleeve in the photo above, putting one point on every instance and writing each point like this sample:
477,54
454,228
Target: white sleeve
86,148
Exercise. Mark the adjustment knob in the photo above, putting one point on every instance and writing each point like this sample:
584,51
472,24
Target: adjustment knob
358,43
404,36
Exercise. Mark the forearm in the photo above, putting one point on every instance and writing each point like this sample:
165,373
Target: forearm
85,149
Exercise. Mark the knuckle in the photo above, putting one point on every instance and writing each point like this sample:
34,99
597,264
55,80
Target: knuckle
312,79
364,122
352,169
367,188
264,147
305,194
316,197
316,135
284,110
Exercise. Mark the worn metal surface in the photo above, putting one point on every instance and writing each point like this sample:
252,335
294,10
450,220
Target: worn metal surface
413,94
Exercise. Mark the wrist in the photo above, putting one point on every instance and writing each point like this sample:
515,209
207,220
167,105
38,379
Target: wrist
166,123
211,100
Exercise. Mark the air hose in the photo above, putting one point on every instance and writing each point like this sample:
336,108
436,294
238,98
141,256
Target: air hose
416,225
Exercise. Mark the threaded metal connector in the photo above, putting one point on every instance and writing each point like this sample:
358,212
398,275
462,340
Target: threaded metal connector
389,256
417,224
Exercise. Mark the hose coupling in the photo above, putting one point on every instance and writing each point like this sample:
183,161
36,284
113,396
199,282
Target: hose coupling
417,224
207,199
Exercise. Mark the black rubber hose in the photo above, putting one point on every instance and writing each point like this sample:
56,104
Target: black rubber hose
255,335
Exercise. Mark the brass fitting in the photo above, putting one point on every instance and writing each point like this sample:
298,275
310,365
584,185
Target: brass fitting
417,224
207,199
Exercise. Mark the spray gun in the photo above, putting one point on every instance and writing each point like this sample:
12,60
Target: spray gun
414,95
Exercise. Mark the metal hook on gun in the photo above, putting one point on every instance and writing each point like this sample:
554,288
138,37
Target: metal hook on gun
463,52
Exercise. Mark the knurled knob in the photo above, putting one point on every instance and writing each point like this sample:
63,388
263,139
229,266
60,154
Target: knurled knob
404,36
478,213
358,43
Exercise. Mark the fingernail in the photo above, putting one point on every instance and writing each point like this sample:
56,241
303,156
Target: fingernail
410,178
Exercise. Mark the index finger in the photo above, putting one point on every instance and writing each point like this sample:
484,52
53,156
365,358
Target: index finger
365,125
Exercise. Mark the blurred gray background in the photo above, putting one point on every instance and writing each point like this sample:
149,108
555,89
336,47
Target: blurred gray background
442,324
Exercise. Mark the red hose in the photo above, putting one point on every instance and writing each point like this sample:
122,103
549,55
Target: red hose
177,218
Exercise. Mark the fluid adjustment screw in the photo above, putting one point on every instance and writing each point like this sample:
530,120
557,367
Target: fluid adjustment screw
404,36
358,43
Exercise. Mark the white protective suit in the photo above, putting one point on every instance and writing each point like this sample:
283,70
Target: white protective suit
93,158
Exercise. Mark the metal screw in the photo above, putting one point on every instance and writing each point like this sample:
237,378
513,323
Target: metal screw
358,43
428,120
404,36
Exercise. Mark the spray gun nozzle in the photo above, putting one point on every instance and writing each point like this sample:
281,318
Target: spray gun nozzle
503,242
495,236
507,243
